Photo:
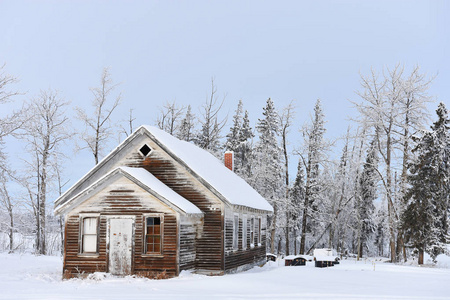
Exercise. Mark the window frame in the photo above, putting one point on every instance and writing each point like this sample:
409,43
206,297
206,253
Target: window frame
258,229
81,251
161,235
252,232
244,232
235,244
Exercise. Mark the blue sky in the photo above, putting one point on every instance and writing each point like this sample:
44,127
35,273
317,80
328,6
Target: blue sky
169,50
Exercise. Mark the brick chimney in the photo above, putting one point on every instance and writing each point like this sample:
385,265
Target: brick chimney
229,160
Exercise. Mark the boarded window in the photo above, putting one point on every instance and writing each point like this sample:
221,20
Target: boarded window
244,232
235,232
153,236
89,235
252,232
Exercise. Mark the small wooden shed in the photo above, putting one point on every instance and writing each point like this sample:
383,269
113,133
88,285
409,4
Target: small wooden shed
295,260
324,261
325,257
156,206
271,257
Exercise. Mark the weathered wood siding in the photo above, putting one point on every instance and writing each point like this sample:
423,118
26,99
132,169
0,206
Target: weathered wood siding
205,244
122,198
244,257
188,233
209,244
74,264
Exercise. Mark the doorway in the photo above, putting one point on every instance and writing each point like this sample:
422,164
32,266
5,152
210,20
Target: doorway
120,245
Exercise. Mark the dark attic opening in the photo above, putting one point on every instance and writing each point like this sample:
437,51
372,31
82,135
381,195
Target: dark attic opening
145,150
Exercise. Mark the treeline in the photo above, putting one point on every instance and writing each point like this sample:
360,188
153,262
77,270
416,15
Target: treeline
385,194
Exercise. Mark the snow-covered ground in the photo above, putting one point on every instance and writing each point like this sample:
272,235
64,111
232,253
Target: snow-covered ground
31,277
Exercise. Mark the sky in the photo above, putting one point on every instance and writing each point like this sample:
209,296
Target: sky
169,50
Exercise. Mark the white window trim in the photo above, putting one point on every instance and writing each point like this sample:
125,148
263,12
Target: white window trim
235,232
259,230
81,234
244,232
144,250
252,231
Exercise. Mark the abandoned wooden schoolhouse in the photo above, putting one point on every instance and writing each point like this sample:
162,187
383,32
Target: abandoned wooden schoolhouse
157,205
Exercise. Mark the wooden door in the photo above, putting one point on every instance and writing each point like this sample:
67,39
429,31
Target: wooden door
120,246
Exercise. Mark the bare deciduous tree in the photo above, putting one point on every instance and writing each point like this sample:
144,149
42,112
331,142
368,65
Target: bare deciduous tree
98,128
170,117
128,127
8,203
212,126
286,119
395,108
12,122
45,132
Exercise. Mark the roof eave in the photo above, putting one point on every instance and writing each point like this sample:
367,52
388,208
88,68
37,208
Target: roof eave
63,198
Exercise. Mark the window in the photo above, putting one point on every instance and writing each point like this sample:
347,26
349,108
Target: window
258,230
244,232
89,235
252,233
145,150
235,232
153,235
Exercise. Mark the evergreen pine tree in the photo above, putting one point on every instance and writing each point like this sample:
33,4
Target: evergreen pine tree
365,204
233,141
244,152
425,220
267,178
239,141
315,149
187,126
297,197
380,231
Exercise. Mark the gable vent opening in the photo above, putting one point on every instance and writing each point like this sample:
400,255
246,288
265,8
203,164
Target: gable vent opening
145,150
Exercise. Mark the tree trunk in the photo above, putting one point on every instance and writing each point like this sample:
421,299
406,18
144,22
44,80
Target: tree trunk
279,247
390,200
420,262
359,246
287,232
404,178
273,229
295,241
303,233
286,168
11,232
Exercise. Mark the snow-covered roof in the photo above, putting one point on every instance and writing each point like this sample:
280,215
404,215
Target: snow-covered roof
233,188
153,183
324,252
306,257
326,258
226,183
147,181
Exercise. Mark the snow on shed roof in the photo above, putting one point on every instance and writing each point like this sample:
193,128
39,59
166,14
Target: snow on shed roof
227,183
306,257
153,183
